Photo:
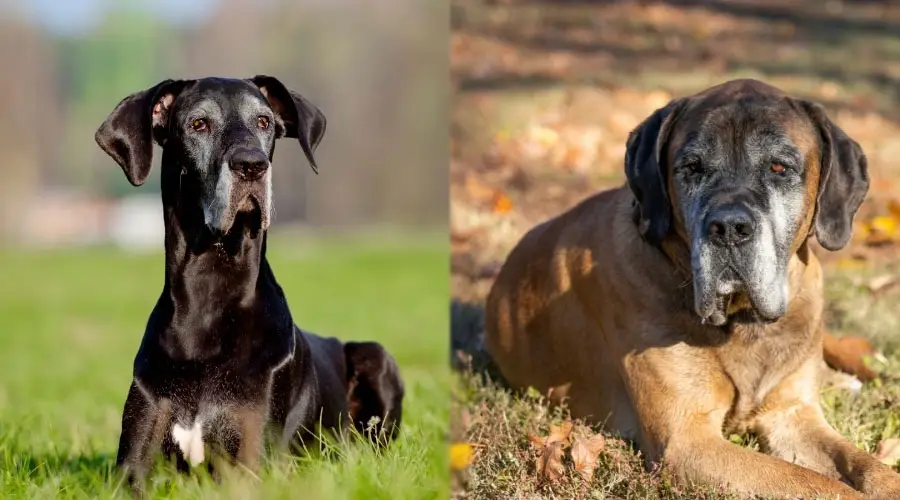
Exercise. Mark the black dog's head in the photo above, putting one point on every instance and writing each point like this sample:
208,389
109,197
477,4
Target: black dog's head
744,174
218,137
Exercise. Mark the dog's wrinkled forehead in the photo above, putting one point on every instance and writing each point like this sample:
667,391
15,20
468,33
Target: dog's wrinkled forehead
741,124
220,98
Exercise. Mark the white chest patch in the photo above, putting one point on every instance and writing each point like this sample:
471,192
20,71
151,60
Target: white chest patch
190,441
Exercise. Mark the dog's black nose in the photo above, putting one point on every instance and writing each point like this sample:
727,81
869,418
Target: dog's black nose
731,226
249,164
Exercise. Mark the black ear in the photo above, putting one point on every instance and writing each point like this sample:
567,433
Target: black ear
302,120
375,391
128,133
646,170
843,182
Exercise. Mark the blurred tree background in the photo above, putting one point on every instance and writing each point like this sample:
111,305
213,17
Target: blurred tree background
378,70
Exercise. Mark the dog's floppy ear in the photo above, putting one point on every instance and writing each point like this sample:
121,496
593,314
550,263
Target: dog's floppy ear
128,132
843,182
375,391
302,120
646,170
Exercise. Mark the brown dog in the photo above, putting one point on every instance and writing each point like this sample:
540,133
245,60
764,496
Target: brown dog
688,303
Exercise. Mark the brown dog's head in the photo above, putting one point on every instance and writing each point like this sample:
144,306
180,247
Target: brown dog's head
744,175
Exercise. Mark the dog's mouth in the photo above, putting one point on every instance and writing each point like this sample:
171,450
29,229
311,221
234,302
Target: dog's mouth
250,214
250,203
733,295
247,213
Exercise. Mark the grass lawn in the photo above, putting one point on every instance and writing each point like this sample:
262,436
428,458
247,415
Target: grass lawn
71,322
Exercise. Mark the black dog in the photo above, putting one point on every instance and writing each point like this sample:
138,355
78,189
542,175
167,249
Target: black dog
221,358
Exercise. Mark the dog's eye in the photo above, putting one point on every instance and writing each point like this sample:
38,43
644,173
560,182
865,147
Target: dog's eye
263,122
779,169
693,166
198,124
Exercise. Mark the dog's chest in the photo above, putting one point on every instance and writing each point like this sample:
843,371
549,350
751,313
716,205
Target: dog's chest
756,368
204,403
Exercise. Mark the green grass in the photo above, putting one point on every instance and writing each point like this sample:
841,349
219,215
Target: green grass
71,322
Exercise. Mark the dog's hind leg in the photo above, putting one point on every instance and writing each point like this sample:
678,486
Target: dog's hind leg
144,424
375,394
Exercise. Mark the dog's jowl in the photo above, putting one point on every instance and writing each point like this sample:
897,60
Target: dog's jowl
222,369
687,304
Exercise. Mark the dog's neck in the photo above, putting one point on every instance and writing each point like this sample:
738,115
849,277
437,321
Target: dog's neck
201,265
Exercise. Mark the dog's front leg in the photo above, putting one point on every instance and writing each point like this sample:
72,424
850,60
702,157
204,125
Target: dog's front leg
795,429
250,421
801,434
144,424
681,425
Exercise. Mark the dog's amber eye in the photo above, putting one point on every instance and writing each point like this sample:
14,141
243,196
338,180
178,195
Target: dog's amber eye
263,122
198,124
778,169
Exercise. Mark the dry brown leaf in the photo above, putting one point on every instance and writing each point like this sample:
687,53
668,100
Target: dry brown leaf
584,455
558,433
550,465
561,432
888,451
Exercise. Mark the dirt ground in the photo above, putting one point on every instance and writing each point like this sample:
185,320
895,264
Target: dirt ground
545,93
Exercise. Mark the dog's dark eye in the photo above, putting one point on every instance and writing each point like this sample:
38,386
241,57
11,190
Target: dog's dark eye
692,167
199,125
263,122
778,168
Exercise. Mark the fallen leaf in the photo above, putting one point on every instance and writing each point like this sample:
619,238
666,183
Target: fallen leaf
884,224
829,90
559,433
851,263
476,189
502,203
893,207
888,451
584,455
883,282
461,455
550,465
545,136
